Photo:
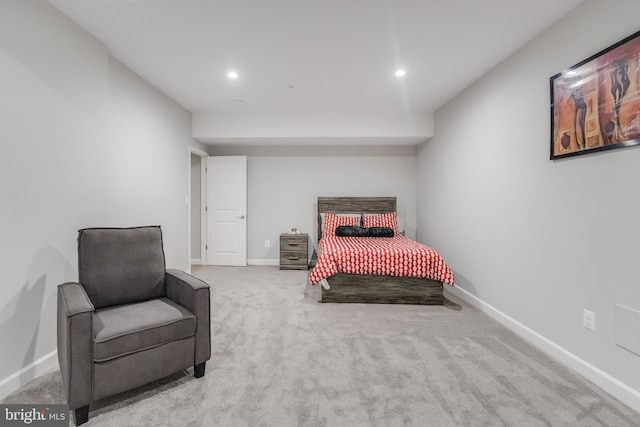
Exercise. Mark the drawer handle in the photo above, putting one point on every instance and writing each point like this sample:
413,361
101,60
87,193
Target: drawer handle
293,244
294,258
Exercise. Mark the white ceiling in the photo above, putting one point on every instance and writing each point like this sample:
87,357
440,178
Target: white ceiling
317,61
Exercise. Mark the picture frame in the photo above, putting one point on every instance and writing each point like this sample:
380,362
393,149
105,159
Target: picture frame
595,104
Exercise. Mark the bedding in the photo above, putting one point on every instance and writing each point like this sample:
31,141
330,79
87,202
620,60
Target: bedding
396,256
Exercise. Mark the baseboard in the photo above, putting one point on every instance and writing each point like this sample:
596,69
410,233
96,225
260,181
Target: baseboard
611,385
263,262
196,261
46,364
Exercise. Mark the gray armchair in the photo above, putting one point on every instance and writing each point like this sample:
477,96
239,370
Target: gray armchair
128,321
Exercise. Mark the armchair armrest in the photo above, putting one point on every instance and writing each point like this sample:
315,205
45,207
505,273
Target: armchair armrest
75,343
194,295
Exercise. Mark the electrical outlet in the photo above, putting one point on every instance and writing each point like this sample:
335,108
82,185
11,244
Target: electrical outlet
267,243
589,320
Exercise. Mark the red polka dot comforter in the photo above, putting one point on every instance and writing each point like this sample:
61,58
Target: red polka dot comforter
391,256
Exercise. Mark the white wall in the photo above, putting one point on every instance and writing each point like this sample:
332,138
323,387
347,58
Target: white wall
283,187
539,240
149,161
53,173
83,142
304,127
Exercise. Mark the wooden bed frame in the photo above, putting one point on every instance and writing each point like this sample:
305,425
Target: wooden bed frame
353,288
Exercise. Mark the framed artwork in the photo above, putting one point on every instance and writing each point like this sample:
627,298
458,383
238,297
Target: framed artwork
595,105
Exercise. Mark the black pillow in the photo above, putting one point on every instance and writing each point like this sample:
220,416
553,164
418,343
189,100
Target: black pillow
380,232
356,231
351,230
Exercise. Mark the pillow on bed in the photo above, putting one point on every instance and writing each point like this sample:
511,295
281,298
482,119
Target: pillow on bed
352,231
357,231
380,232
333,221
389,220
323,215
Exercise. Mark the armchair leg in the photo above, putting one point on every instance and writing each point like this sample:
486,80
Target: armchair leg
81,415
198,370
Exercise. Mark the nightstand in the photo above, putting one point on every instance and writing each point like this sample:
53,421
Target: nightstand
294,251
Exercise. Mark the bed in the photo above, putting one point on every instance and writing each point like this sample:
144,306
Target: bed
343,287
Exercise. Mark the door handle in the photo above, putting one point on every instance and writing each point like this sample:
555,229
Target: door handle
241,217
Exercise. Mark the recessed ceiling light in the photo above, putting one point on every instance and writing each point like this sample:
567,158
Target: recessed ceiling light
232,75
400,73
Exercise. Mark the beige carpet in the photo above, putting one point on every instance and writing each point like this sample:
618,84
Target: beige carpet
280,358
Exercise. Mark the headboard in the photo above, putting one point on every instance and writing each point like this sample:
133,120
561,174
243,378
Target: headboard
370,205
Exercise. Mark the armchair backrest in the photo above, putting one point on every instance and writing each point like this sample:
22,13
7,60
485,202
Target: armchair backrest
121,265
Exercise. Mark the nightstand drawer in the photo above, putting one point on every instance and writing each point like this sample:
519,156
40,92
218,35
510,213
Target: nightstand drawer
293,258
293,243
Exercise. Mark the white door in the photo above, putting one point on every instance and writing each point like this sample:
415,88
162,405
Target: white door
227,210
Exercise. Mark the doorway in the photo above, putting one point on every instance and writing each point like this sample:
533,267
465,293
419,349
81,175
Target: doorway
197,163
226,200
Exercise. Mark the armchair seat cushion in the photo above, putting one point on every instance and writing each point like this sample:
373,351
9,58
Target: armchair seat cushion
129,328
